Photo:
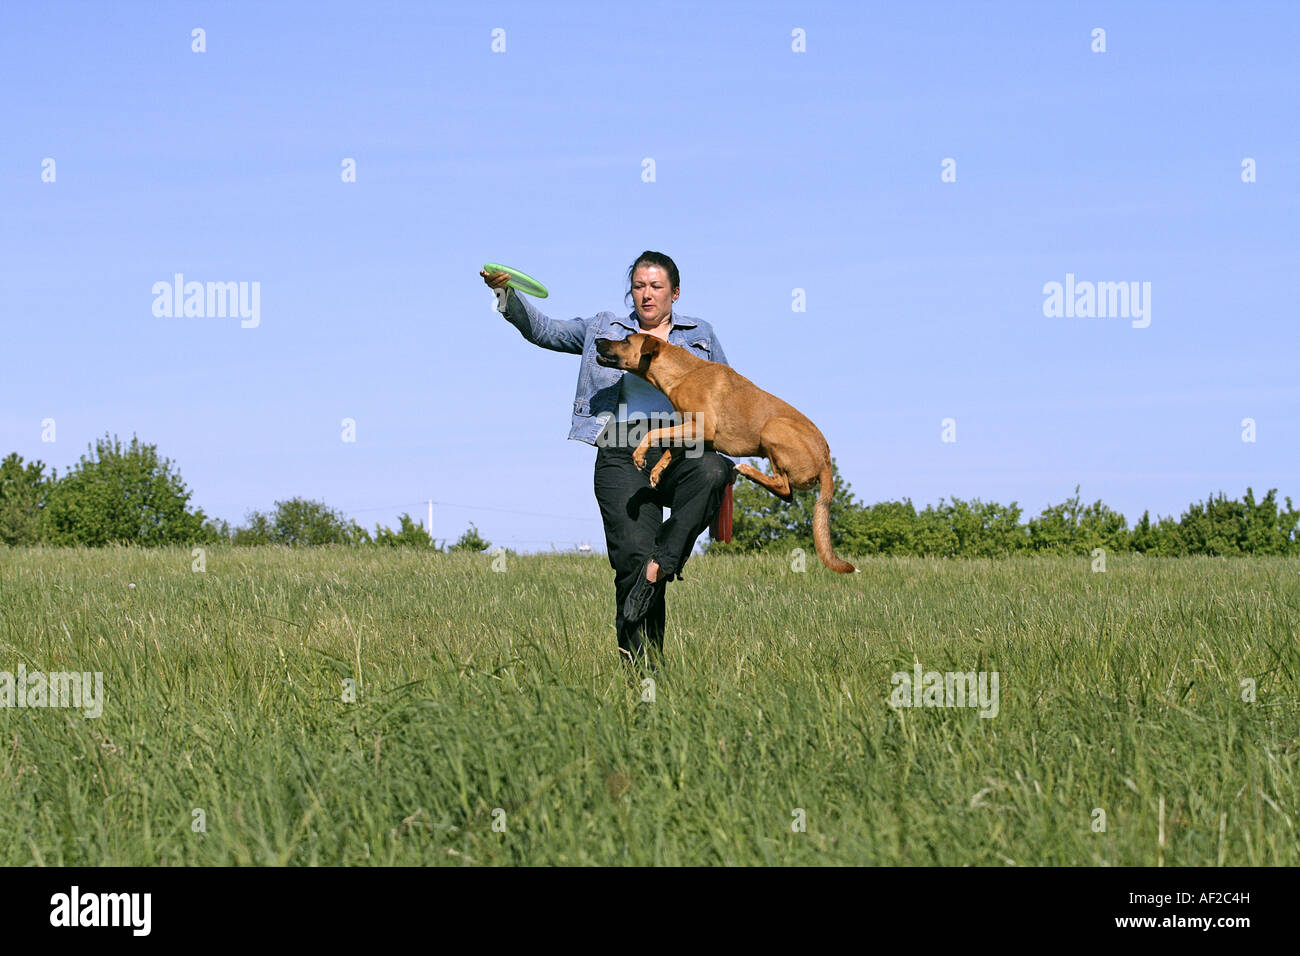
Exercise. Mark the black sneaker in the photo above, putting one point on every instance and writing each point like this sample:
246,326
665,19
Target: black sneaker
642,596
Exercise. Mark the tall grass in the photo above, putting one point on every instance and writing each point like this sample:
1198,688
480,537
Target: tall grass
498,698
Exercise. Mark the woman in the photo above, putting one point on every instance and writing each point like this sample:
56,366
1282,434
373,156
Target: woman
611,410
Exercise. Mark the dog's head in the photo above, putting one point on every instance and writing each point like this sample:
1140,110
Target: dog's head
632,354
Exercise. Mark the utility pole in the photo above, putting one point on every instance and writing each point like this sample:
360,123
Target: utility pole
431,541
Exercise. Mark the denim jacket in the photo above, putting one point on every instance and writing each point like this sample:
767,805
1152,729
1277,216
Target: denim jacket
596,400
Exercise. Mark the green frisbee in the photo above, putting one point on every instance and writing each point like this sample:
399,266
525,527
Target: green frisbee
520,281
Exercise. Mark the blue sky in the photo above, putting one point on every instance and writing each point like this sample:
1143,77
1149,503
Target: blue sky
774,170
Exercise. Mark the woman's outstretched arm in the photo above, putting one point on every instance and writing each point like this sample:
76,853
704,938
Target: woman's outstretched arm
562,335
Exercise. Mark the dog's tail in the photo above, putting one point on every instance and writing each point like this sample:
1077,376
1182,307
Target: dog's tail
822,524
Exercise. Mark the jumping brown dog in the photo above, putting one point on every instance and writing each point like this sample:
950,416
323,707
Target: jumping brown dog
720,406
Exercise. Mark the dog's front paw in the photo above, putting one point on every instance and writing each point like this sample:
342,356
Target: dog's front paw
659,468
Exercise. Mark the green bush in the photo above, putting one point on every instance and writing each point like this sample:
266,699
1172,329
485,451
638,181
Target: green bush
411,534
471,540
23,494
1164,539
981,529
120,495
298,522
887,527
1221,526
1072,528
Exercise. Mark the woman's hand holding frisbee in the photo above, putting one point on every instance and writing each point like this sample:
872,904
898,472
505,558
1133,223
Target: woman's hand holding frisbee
495,280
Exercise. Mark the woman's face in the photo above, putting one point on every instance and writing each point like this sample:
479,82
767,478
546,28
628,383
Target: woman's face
652,294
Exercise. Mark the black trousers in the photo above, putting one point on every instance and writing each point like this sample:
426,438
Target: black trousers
633,512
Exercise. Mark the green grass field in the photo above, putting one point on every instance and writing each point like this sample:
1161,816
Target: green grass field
498,698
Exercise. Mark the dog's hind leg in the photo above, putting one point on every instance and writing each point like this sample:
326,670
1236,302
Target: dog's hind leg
787,446
779,485
794,465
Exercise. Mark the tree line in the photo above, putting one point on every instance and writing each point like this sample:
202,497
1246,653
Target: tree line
126,494
977,529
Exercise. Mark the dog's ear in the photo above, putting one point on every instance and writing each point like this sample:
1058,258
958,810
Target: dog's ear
649,349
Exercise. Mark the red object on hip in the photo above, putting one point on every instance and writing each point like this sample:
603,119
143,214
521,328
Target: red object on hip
720,527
